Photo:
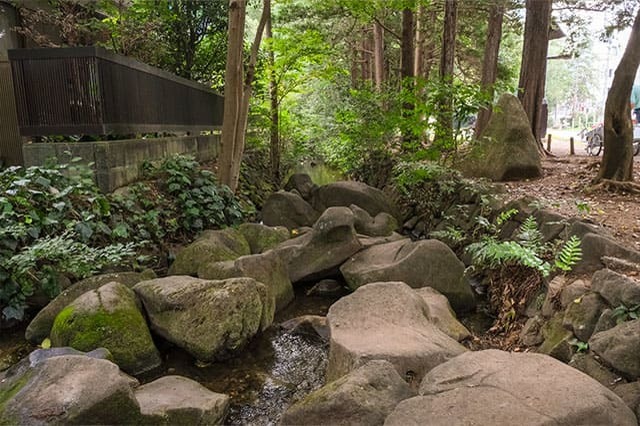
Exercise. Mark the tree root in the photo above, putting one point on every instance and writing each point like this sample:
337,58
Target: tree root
609,185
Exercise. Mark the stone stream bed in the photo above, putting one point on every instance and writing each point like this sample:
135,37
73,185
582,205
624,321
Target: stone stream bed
274,370
379,339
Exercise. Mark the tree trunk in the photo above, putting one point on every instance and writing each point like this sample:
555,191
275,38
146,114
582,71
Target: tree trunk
418,57
406,60
490,63
447,56
533,69
274,111
617,161
232,145
234,73
378,55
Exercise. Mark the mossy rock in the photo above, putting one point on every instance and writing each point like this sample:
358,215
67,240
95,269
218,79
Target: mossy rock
211,246
262,238
40,326
556,342
67,389
108,317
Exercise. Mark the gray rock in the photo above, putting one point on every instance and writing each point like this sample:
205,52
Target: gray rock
606,321
346,193
108,318
211,246
386,321
308,325
175,400
380,226
289,210
550,224
572,292
620,265
581,316
367,241
551,302
427,263
557,339
590,366
261,237
267,268
363,397
302,183
619,347
319,253
68,389
40,327
500,388
327,288
630,394
440,313
531,334
616,288
506,150
209,319
595,247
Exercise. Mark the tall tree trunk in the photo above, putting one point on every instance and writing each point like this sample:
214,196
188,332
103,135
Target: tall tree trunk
406,60
234,124
430,48
617,161
447,56
378,55
533,69
490,63
418,56
274,112
234,73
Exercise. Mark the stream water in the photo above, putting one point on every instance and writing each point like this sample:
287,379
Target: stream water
275,370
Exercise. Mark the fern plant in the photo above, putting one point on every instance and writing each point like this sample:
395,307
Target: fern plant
569,255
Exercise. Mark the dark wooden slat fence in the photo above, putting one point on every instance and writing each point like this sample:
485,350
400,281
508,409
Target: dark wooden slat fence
88,90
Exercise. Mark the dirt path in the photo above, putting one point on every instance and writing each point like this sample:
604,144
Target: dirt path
563,189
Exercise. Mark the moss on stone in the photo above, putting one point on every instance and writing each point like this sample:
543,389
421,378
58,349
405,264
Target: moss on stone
122,330
7,392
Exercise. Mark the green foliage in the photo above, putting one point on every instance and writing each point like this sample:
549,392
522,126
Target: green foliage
580,346
569,255
527,250
623,313
56,223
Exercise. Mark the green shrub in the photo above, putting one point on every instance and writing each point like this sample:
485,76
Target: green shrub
55,222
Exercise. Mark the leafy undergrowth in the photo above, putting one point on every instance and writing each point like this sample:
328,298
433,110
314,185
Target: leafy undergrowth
55,224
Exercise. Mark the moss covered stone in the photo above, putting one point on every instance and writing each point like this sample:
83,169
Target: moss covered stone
209,319
108,317
262,238
40,326
211,246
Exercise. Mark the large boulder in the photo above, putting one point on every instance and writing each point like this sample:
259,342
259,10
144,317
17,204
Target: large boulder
302,183
363,397
616,288
175,400
346,193
40,327
595,247
267,268
211,246
440,313
209,319
425,263
261,237
506,149
319,253
289,210
386,321
582,315
499,388
619,347
108,318
67,389
382,225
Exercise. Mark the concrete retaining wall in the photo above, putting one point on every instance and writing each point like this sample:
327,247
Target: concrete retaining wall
117,163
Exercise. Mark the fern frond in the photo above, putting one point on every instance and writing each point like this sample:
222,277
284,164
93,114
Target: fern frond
569,255
530,236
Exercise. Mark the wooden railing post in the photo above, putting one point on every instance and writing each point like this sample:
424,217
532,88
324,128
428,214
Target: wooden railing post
571,149
549,142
